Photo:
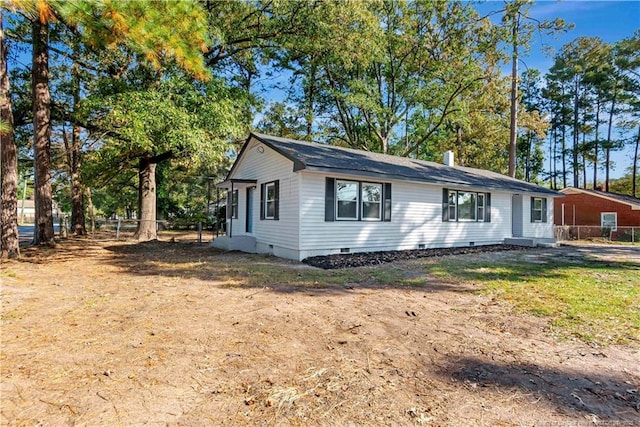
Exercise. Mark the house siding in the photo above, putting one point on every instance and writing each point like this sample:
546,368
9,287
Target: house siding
538,230
278,237
588,209
416,219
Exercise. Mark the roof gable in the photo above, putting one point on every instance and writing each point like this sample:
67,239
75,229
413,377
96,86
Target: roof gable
327,158
625,199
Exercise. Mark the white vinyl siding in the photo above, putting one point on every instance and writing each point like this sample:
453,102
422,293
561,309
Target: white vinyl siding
416,219
266,166
533,228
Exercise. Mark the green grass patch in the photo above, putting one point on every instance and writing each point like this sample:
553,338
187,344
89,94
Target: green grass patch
593,300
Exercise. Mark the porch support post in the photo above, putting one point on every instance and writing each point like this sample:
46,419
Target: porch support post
230,231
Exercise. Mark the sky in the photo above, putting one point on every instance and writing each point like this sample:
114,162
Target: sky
609,20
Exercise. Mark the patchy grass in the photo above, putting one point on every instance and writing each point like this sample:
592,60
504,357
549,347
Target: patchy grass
596,301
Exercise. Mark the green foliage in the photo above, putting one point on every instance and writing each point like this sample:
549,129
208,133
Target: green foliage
159,31
624,184
193,120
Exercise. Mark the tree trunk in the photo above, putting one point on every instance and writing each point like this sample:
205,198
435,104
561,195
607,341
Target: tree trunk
146,201
42,135
77,199
527,165
553,157
90,210
564,156
9,241
584,160
634,170
513,128
576,134
608,148
595,146
459,160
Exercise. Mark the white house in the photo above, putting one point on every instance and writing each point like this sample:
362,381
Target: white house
295,199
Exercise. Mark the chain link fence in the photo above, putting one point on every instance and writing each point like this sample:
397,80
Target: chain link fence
584,232
124,229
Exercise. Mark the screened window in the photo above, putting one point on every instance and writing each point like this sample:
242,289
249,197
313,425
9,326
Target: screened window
609,220
371,201
234,204
346,200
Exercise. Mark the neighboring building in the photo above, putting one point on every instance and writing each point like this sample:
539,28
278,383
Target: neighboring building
595,208
297,199
27,211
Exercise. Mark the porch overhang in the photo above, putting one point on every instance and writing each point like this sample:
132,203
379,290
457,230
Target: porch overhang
230,183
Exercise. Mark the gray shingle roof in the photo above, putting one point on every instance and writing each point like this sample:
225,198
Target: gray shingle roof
320,157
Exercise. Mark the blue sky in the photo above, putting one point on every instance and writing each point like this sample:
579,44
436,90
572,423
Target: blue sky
609,20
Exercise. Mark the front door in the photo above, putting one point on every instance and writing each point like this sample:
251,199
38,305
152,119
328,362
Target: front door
250,192
516,215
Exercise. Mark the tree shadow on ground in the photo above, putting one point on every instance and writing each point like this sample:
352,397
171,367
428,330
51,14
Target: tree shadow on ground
607,396
240,270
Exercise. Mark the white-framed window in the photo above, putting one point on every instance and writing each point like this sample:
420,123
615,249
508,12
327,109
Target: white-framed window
537,209
609,220
371,201
347,200
234,204
453,205
480,200
465,206
270,201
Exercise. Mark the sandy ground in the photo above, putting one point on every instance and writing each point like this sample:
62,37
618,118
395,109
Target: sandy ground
112,333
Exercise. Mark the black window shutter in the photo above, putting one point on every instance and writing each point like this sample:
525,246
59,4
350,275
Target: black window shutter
386,195
276,214
229,202
261,201
330,200
445,204
544,210
533,203
487,208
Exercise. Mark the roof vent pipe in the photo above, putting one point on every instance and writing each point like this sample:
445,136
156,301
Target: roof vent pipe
449,158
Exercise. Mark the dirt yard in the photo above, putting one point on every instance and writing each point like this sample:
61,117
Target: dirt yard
171,333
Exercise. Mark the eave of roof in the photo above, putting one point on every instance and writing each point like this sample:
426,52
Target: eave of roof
331,159
230,181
